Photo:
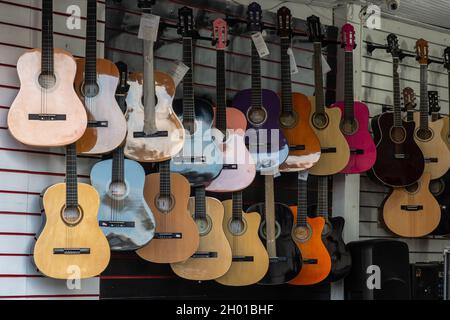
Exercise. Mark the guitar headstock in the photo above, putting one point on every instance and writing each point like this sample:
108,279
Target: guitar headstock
433,102
393,47
314,29
146,5
220,33
447,58
254,17
409,99
123,86
284,19
422,51
348,37
185,22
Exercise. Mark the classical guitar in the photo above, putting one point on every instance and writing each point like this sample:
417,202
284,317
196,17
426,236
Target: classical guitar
304,146
250,260
355,114
285,259
266,143
96,82
71,242
46,112
239,168
335,152
307,234
124,216
399,160
213,256
428,134
154,131
200,160
176,235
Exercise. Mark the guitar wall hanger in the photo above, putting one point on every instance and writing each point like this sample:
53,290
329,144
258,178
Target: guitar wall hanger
371,47
195,35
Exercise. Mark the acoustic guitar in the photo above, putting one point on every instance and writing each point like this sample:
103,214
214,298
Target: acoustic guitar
71,243
266,143
154,131
304,146
355,114
335,152
446,131
250,260
239,168
307,234
200,160
176,235
96,82
46,112
124,216
213,256
400,161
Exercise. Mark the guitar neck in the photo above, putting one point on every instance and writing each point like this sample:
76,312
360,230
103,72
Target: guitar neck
188,89
164,178
302,202
118,163
237,205
424,96
269,208
396,92
322,201
71,177
348,87
47,37
318,78
149,89
221,117
286,82
200,203
90,68
256,98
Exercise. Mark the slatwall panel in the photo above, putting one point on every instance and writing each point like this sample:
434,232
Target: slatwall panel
26,171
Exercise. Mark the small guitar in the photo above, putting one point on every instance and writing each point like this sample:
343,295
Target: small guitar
213,256
154,131
124,216
250,260
307,234
239,168
200,160
46,112
355,114
95,83
176,235
71,241
267,145
285,259
399,160
335,152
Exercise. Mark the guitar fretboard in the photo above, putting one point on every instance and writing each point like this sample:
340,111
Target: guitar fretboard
396,93
71,176
221,118
256,98
348,87
164,178
47,37
188,89
286,85
200,203
118,165
318,78
424,96
90,68
322,200
237,205
302,202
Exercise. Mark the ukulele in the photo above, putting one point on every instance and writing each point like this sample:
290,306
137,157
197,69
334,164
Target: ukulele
71,241
250,260
213,256
176,235
124,216
46,112
200,160
96,81
267,145
399,160
154,131
428,134
239,168
335,152
285,259
304,146
355,114
307,234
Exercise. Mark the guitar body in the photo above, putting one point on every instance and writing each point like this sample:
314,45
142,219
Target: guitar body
282,271
301,135
392,171
363,152
212,241
85,234
235,153
312,248
153,149
412,222
102,107
123,203
446,131
200,144
440,188
270,133
246,244
176,220
61,99
337,158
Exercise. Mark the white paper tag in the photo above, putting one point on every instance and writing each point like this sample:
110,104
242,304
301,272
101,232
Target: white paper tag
294,68
260,44
303,175
325,66
148,28
178,72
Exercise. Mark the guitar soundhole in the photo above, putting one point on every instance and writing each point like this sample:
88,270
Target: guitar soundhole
47,81
320,120
117,190
437,187
412,188
263,230
89,90
237,226
349,127
288,119
71,215
164,203
204,225
257,115
327,228
302,233
398,134
424,134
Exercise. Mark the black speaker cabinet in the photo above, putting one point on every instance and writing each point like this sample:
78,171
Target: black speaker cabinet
380,271
427,280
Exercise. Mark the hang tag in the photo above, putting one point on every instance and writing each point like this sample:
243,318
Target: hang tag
294,68
148,28
260,44
178,71
303,175
325,66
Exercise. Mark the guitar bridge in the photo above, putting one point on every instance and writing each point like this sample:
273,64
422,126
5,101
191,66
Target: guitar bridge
411,207
230,166
400,156
168,235
116,224
357,151
431,160
203,254
328,150
97,124
190,159
297,147
46,117
71,251
157,134
243,259
310,261
277,259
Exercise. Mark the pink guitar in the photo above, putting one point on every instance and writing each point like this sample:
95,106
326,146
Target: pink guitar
238,165
355,115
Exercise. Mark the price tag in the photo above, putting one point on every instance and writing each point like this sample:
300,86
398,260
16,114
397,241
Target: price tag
148,28
303,175
294,68
178,72
260,44
325,66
